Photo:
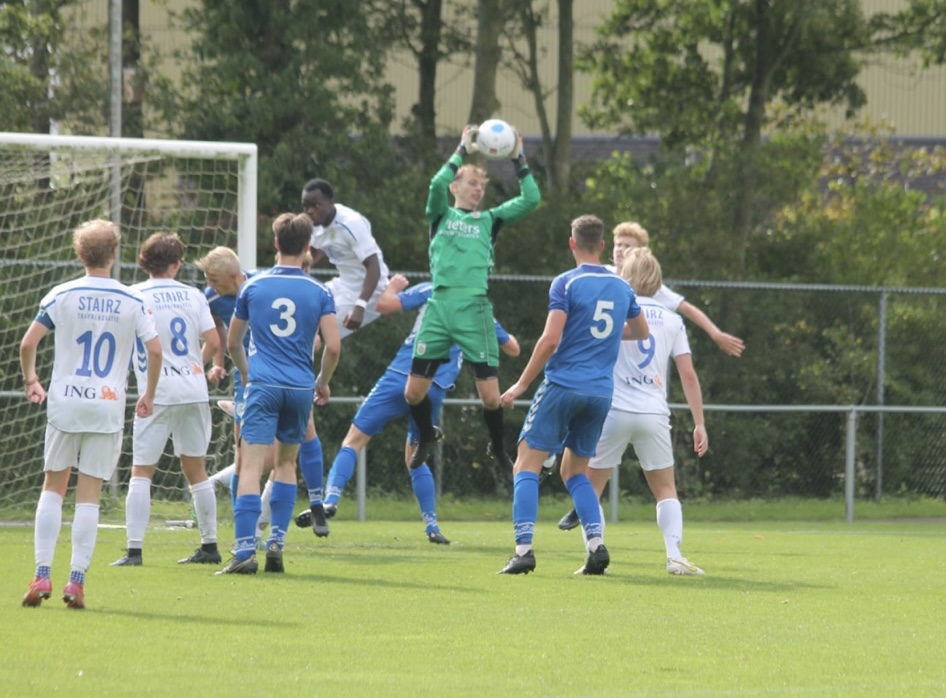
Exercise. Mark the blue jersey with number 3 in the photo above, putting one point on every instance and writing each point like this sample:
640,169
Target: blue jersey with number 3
283,308
597,303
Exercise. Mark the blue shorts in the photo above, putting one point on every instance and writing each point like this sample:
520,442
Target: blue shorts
275,413
386,402
563,418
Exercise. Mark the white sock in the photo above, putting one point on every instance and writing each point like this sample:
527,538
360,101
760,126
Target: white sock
266,514
85,529
47,527
523,549
137,510
222,477
670,521
205,507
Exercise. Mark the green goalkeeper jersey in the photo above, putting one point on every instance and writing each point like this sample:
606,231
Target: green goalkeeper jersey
461,242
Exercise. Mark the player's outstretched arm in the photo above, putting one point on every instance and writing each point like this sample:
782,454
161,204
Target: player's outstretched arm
389,302
438,199
636,328
330,354
544,348
731,345
145,406
235,337
694,397
32,385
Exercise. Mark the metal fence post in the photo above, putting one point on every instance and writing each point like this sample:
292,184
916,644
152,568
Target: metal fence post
881,368
851,436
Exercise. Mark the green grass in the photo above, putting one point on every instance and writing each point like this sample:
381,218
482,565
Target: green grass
820,609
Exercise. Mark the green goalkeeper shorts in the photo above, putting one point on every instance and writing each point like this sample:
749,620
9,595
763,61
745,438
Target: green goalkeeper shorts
466,322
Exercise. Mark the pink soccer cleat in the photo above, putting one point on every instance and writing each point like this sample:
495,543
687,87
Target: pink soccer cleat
40,588
74,595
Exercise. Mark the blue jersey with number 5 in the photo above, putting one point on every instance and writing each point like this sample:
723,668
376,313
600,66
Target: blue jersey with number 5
283,308
597,303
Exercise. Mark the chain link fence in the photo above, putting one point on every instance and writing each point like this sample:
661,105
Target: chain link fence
779,418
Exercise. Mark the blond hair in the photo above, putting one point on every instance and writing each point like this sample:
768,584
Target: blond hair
632,229
95,242
220,261
473,170
642,271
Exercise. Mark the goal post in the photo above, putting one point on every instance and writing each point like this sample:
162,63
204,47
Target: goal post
204,191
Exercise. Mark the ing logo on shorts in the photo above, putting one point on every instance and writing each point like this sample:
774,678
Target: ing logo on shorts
420,348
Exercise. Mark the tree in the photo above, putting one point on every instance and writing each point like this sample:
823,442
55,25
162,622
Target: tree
38,59
491,18
706,75
525,64
302,80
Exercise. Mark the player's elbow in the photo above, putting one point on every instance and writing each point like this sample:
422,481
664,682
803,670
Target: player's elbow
511,348
387,305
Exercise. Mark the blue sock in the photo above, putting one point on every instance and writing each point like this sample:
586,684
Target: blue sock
246,511
422,482
77,576
586,504
310,462
343,468
281,504
525,506
234,483
43,571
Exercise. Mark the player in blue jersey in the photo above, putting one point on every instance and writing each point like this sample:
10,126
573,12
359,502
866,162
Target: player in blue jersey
283,309
385,403
590,310
225,275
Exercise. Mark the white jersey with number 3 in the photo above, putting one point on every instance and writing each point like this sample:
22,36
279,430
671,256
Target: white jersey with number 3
181,315
95,321
642,368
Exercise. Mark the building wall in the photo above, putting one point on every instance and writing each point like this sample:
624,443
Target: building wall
912,100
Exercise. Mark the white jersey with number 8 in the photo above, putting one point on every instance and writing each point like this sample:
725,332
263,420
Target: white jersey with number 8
181,315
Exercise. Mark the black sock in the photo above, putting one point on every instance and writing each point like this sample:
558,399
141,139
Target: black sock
134,552
208,547
422,413
494,424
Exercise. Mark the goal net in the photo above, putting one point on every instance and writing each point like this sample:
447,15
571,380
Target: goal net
49,185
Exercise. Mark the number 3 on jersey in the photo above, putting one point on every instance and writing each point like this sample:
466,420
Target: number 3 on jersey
287,324
602,316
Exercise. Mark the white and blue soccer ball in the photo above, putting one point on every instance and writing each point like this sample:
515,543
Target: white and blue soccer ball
496,139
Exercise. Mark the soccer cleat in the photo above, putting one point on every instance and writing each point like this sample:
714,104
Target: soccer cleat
504,459
319,522
425,448
304,519
519,564
682,566
238,566
330,510
74,595
569,521
597,562
128,561
437,537
548,466
202,557
40,589
226,406
274,558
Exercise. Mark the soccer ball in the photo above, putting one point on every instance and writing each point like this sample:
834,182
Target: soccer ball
496,139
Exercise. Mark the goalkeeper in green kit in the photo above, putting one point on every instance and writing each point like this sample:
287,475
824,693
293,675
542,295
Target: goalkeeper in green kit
462,239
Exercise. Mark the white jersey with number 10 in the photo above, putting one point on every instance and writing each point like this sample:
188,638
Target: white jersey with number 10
95,321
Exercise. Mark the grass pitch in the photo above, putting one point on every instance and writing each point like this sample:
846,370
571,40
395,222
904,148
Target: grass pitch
825,609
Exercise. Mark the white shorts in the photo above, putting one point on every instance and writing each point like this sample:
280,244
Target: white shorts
189,426
345,298
648,433
93,454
